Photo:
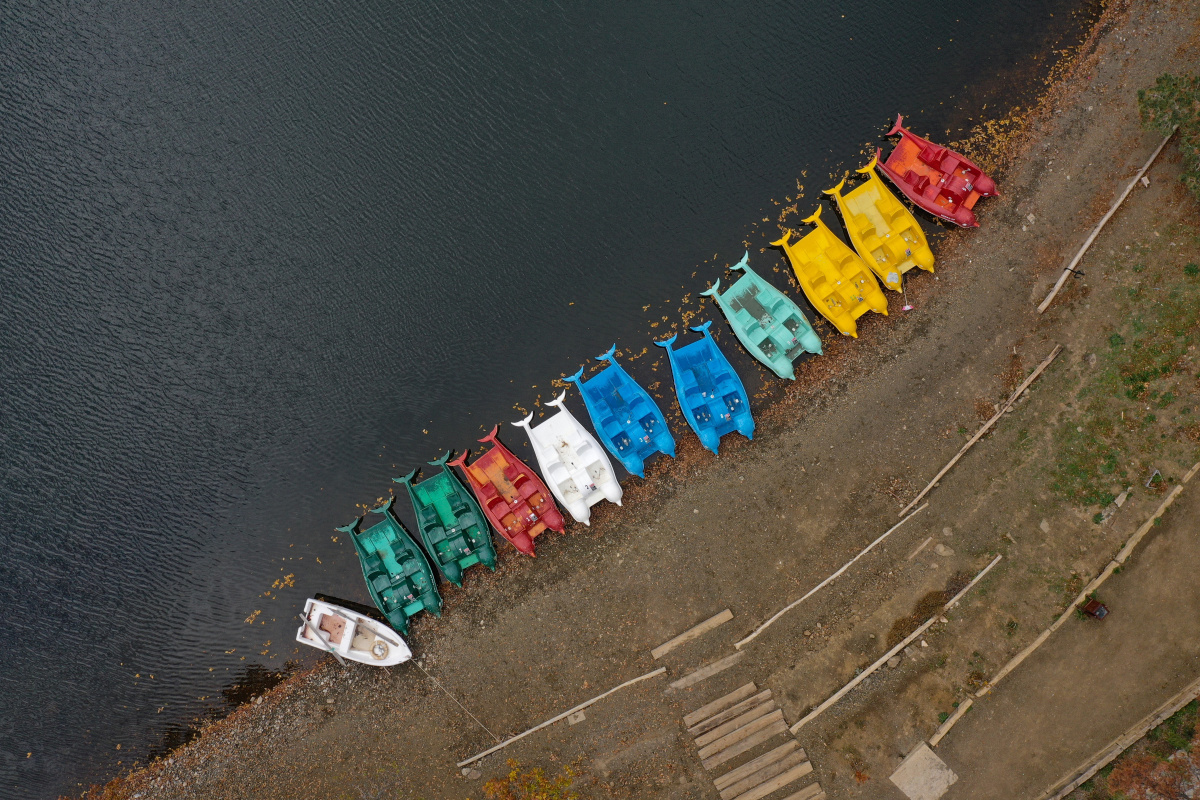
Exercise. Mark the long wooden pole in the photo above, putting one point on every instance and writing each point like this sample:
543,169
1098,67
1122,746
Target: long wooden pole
1066,273
563,715
987,426
862,676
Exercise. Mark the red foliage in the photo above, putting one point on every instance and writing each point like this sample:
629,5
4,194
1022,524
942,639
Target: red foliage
1144,777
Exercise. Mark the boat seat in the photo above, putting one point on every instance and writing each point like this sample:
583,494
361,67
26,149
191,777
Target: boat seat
949,164
932,155
622,441
917,181
333,627
701,413
768,348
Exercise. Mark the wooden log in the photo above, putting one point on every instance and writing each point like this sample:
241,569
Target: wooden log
763,775
756,764
707,671
739,734
739,721
811,792
778,782
718,705
694,632
730,713
749,743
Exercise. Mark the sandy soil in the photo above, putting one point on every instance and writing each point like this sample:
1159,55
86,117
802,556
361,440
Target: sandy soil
835,460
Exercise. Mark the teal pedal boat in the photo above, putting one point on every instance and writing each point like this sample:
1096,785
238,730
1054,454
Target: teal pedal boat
452,524
629,422
709,391
398,575
768,323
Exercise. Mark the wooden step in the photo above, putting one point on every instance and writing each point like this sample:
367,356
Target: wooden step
756,764
708,670
719,705
692,633
749,743
728,714
742,732
763,775
778,782
741,720
811,792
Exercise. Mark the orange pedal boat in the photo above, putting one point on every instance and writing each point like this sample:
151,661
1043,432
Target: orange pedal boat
938,180
513,497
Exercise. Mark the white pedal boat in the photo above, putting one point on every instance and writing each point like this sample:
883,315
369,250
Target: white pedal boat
351,635
574,465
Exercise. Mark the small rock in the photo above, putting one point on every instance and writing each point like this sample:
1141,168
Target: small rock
1031,218
577,717
872,636
943,550
893,662
695,511
808,633
1045,526
944,620
1091,359
474,774
924,643
1121,498
466,771
947,531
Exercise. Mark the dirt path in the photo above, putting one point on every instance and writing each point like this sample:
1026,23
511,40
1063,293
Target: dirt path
829,471
1102,677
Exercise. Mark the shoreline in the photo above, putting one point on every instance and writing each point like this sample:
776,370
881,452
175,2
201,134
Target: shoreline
809,394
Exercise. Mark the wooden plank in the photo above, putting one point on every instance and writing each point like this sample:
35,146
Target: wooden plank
730,713
778,782
749,743
739,721
720,704
694,632
764,774
707,671
811,792
756,764
740,733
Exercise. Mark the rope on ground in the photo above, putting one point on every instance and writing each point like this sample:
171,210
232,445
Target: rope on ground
825,582
1121,557
862,676
1066,273
563,715
455,699
986,426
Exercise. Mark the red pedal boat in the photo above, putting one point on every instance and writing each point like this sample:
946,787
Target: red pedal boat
941,181
513,497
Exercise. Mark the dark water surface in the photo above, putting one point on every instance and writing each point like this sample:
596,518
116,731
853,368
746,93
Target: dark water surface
250,252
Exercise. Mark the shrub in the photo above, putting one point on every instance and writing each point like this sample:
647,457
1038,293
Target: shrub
531,785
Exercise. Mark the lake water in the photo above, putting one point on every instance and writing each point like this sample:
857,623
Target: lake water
259,258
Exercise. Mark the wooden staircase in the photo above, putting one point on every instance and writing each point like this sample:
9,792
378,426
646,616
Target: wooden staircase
738,723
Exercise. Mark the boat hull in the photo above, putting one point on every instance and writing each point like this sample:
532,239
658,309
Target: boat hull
835,280
768,324
573,464
399,578
886,235
625,417
709,391
513,498
451,523
937,180
352,636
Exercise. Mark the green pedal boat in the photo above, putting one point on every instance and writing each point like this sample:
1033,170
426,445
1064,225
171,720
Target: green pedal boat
768,323
398,576
452,524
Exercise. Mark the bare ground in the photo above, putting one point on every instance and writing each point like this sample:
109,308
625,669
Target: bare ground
836,459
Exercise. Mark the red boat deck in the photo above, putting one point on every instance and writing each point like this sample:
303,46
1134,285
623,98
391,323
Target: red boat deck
939,180
513,497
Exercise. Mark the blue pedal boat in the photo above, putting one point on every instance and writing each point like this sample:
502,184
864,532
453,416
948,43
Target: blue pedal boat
627,419
768,323
709,391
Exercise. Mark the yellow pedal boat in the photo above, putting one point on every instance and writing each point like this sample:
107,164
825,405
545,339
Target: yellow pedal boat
884,232
834,278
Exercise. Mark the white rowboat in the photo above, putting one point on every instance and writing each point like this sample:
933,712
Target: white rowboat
348,634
